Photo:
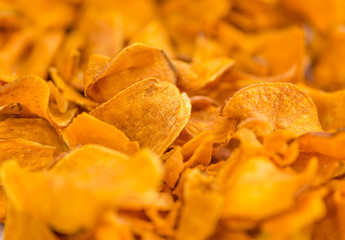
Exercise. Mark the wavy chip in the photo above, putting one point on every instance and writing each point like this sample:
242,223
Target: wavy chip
133,64
151,112
283,105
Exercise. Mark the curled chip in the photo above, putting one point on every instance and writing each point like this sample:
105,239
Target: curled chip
283,105
31,96
324,143
82,184
120,73
201,74
86,129
329,106
151,112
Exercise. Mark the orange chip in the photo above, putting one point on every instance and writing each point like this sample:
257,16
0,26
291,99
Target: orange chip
33,129
202,209
198,150
28,154
201,74
21,225
86,129
33,93
151,112
309,208
283,105
69,93
82,184
324,143
155,35
256,183
330,107
120,73
173,166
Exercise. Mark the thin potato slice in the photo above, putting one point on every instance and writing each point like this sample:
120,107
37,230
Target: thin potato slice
150,112
131,65
283,105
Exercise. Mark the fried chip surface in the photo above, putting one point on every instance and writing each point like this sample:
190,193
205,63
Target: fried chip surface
150,112
283,105
172,119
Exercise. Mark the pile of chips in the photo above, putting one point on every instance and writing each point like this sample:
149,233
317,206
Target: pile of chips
172,119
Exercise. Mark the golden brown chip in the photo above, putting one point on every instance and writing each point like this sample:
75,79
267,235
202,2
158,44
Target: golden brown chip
283,105
86,129
151,112
133,64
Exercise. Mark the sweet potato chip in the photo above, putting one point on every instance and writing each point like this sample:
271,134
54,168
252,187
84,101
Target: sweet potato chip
198,150
255,183
205,117
283,105
316,13
131,65
329,106
26,153
155,116
202,208
201,74
324,143
155,35
35,101
172,119
173,166
73,196
86,129
310,208
69,93
21,225
33,129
